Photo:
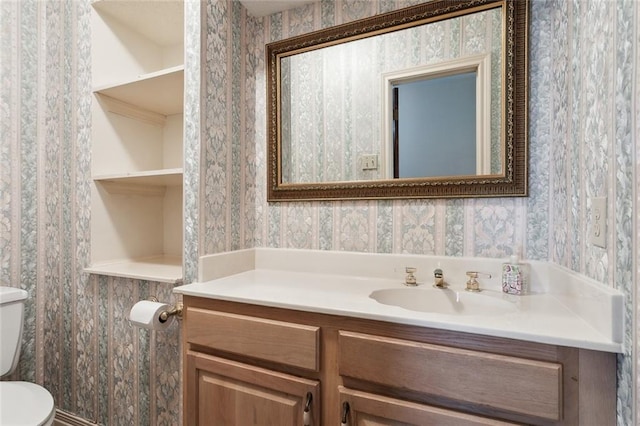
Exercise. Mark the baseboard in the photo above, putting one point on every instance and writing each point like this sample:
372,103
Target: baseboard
67,419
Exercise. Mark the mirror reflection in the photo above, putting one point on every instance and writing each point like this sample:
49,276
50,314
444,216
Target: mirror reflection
434,127
339,123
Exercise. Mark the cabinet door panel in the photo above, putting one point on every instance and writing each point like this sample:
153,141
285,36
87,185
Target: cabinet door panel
229,402
229,393
366,409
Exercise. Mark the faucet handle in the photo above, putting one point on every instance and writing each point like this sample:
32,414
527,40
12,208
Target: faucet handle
410,279
476,274
472,283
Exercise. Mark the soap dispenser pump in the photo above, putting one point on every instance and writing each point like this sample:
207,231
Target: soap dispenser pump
515,276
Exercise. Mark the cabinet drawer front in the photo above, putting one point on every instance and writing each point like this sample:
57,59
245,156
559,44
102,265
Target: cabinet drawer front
370,409
523,386
286,343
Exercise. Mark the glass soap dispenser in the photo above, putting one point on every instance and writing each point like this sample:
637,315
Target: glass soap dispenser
515,276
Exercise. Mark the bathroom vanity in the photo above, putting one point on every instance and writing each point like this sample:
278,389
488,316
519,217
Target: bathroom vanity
269,345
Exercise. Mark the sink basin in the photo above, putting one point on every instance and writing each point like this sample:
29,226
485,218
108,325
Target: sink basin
443,301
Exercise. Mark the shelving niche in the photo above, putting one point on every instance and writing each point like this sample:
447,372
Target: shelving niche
137,139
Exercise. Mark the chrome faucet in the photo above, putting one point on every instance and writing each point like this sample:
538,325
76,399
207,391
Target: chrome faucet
472,283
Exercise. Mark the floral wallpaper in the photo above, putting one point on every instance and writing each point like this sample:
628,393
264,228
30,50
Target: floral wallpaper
77,341
582,110
584,121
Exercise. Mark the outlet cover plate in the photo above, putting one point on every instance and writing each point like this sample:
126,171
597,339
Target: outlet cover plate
599,221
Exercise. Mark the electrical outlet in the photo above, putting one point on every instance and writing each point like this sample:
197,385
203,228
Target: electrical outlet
599,221
369,162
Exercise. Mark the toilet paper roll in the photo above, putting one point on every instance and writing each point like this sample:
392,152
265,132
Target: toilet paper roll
146,314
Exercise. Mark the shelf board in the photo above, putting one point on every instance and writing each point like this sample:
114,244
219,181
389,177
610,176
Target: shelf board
151,182
160,92
163,177
166,269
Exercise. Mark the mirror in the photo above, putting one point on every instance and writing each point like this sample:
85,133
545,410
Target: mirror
424,102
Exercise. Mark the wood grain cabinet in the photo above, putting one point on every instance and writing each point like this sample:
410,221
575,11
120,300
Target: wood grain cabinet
252,365
223,391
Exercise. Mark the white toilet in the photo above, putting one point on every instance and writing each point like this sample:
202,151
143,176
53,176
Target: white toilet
21,403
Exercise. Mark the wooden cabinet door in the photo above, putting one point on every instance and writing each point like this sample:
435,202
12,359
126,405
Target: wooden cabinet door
367,409
228,393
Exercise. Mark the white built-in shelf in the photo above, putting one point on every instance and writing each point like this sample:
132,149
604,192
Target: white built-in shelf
160,93
166,269
150,182
137,52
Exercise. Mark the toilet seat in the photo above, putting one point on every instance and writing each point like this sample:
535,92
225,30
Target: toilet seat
25,404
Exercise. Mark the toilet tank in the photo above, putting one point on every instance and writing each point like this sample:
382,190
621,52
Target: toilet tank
11,316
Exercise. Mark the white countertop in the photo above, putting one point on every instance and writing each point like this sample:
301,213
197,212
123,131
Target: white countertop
543,316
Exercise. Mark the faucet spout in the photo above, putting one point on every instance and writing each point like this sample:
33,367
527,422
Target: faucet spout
438,276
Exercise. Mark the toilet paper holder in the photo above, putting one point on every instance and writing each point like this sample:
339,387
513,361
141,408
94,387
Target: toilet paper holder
176,310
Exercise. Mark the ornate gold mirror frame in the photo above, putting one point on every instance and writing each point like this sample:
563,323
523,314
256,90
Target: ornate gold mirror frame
512,181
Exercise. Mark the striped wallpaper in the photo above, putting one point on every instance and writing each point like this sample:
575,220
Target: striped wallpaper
584,122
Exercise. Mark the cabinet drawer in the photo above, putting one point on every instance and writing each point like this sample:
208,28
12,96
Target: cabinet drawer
532,388
370,409
282,342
